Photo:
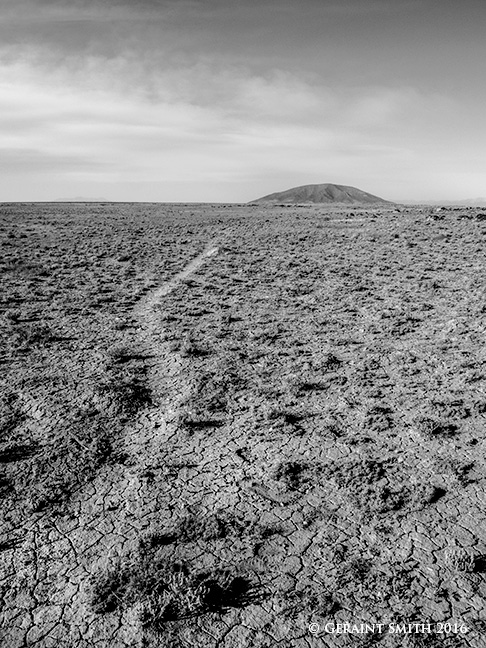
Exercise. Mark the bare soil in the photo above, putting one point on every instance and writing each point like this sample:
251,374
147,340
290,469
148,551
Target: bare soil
221,424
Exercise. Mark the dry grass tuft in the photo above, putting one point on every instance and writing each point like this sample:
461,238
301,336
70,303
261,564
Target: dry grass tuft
169,591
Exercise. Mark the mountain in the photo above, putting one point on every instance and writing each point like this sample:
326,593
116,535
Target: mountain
82,199
323,193
473,202
468,202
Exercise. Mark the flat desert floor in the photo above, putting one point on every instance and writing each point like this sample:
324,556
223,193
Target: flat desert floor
233,426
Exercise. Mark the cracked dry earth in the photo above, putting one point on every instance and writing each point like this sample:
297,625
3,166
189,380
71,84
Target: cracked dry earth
221,424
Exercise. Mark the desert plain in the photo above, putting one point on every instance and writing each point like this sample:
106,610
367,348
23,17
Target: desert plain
236,426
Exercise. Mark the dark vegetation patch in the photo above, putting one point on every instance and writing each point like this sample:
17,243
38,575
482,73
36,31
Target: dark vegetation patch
460,470
376,583
355,473
11,414
378,486
404,325
425,494
121,353
334,424
153,540
169,591
379,418
432,428
16,452
299,385
125,387
460,560
286,419
25,337
293,474
213,388
193,421
312,601
331,362
5,485
46,474
196,526
192,347
356,569
69,467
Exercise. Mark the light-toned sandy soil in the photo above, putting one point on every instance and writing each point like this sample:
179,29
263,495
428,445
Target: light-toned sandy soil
229,426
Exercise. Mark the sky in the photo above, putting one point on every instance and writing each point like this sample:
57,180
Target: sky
228,100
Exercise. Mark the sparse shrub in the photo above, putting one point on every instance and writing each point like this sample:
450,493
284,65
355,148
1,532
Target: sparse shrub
122,323
13,315
272,413
121,353
73,456
129,392
311,601
182,593
169,591
369,485
312,516
24,337
356,473
382,499
195,526
177,598
155,539
284,417
5,485
452,409
110,590
16,452
460,559
192,421
379,417
357,568
426,494
263,531
192,348
434,428
211,391
292,417
11,414
331,362
300,384
294,474
460,470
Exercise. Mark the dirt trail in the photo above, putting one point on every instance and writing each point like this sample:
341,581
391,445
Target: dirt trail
191,267
55,561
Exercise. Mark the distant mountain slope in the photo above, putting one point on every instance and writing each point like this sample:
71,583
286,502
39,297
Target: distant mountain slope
81,199
322,193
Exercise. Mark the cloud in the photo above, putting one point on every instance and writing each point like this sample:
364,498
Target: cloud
240,30
187,131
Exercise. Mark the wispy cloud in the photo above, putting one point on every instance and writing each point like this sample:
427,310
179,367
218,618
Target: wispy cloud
199,123
220,100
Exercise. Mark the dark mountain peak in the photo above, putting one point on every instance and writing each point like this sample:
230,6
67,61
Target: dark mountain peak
323,193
